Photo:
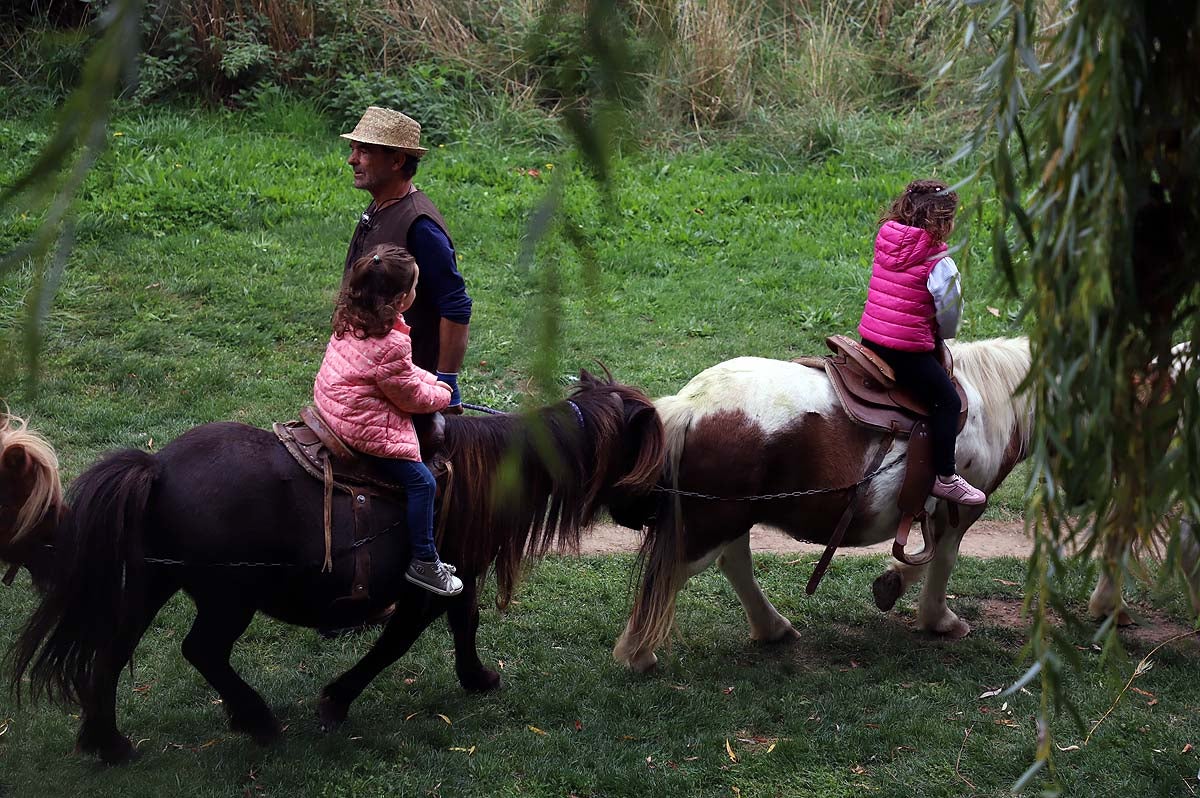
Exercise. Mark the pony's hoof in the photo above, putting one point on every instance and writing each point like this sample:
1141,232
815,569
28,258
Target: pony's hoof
263,731
118,751
332,714
887,589
956,630
480,681
642,663
783,635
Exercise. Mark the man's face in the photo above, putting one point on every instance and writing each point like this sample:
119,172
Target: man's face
374,166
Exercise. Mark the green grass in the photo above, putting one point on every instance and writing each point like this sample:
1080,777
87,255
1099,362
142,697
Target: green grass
210,245
861,705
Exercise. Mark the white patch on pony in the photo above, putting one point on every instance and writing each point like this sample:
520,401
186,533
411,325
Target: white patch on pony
771,392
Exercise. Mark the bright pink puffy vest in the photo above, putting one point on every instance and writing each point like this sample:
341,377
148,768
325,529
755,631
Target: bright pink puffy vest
900,313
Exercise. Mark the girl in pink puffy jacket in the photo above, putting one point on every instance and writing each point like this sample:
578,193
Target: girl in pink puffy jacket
914,300
368,390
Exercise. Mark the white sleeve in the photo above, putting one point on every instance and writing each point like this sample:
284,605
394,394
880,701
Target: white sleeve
946,287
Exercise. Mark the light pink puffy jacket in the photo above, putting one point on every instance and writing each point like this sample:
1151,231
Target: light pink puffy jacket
900,313
368,389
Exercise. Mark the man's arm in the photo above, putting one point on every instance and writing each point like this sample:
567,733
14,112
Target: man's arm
453,346
440,276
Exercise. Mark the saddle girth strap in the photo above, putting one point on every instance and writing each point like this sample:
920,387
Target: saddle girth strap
843,524
327,566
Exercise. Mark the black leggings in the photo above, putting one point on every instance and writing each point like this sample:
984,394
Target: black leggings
921,373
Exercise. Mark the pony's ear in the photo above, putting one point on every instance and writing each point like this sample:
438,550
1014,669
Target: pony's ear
15,460
586,378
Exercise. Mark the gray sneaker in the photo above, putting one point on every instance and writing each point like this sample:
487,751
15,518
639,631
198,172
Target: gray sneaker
436,577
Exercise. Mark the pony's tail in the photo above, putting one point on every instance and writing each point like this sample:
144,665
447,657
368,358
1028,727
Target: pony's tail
96,592
660,558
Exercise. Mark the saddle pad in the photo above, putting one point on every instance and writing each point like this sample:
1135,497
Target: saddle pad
354,475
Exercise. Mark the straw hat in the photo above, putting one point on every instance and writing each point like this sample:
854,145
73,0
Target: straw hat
388,128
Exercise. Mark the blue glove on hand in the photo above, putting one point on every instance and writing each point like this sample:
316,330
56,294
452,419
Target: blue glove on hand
452,381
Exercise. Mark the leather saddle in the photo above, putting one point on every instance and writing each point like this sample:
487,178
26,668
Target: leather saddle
327,458
866,388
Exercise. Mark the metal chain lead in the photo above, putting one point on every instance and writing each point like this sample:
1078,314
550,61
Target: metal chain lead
691,494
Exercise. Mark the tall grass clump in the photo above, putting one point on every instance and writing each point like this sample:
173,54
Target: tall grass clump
693,71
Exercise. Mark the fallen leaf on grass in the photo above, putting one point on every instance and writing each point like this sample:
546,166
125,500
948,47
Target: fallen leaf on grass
578,725
771,747
410,717
1006,582
443,717
728,691
1140,691
735,791
994,311
990,693
536,730
1066,748
4,726
468,751
729,750
858,770
1187,748
1007,722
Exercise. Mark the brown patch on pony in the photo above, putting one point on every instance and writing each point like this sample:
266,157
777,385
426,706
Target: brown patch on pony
727,454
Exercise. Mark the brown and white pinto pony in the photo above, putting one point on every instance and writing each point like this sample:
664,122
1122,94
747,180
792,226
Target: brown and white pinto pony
758,427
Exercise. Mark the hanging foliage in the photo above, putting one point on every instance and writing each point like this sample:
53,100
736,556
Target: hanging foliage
1095,123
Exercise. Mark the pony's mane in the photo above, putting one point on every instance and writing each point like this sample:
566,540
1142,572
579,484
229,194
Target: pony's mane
997,367
524,485
47,487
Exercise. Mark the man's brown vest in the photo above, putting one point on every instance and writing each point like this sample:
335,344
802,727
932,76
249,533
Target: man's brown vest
391,226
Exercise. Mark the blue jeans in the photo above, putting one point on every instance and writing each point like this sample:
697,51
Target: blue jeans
420,486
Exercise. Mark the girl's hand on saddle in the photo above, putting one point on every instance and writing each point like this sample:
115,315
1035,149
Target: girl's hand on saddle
441,384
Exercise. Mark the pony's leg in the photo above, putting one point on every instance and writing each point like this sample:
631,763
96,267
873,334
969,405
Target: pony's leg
766,624
889,586
649,625
1107,600
220,621
463,616
397,637
98,732
932,613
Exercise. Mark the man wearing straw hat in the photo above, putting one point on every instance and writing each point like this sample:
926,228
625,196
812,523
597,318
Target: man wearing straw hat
385,149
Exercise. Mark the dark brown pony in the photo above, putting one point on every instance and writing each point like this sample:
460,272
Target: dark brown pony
224,514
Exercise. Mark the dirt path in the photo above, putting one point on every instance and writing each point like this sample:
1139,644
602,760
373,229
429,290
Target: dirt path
984,539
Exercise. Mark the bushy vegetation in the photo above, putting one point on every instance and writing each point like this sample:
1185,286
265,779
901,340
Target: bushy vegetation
693,71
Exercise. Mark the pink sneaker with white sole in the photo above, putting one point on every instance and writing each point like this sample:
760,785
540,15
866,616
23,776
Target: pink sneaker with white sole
958,490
